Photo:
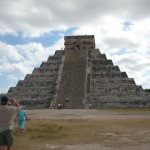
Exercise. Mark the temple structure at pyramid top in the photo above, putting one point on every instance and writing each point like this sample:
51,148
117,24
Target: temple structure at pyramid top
77,77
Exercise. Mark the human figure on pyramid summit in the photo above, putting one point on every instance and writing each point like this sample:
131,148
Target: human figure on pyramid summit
7,114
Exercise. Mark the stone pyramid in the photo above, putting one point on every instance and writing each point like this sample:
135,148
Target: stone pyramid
78,76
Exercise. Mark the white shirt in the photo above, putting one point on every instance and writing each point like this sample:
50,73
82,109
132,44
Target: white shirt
7,114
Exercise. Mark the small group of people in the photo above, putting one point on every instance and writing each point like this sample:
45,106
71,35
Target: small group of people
61,106
9,109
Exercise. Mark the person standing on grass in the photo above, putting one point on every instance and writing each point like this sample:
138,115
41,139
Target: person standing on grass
22,117
7,114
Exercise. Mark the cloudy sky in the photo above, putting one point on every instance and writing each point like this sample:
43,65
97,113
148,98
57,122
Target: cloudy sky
31,30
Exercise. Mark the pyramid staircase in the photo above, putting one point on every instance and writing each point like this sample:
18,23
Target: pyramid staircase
71,90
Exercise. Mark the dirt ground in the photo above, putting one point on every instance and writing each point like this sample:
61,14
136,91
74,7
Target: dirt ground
89,113
128,126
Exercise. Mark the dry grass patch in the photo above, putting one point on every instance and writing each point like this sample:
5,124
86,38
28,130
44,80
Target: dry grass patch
115,132
127,110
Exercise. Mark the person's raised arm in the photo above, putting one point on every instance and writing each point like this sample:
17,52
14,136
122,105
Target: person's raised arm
15,102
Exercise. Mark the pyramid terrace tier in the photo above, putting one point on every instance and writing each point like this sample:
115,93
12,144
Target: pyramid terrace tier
38,83
102,62
121,104
109,75
45,77
116,89
105,68
50,64
110,81
50,71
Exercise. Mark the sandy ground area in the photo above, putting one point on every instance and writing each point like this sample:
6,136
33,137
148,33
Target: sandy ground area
89,114
84,114
96,147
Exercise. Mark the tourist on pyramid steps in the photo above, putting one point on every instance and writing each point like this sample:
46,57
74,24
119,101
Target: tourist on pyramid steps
7,114
59,106
77,48
67,99
22,117
90,106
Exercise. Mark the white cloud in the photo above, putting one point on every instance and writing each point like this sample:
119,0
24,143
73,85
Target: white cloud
33,17
104,19
31,54
9,52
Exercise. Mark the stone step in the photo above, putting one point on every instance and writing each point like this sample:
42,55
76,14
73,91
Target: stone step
31,77
47,71
112,81
102,62
116,74
105,68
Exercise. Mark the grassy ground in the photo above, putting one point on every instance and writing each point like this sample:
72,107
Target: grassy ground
139,110
110,133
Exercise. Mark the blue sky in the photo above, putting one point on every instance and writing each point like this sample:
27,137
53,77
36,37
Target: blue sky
46,39
31,31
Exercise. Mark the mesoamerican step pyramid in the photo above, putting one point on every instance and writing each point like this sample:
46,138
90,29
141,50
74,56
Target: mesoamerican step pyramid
78,76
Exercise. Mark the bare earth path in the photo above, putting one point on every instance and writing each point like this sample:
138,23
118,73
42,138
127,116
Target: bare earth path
87,114
102,114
